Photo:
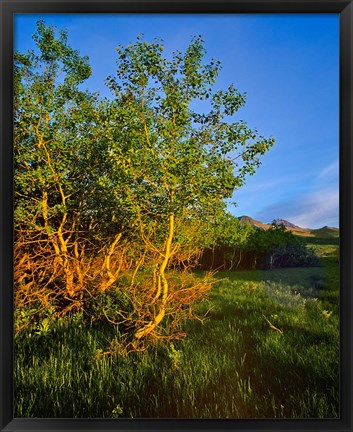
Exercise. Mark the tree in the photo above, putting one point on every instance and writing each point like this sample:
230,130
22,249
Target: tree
110,194
181,163
234,238
59,226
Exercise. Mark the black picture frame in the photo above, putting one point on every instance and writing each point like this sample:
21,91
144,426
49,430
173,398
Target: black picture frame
345,10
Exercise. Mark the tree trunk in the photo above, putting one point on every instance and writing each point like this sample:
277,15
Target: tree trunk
239,260
232,260
212,259
163,287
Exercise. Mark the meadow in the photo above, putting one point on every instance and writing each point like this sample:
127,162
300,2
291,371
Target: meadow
267,348
121,219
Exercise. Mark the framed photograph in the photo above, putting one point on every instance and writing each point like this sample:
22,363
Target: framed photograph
176,215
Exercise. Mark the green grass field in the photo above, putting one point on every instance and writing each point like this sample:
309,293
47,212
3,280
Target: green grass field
269,348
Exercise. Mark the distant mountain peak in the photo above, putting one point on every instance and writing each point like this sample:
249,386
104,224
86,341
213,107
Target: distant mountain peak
326,227
325,231
285,223
249,220
245,218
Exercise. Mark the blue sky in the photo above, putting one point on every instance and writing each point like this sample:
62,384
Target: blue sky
287,65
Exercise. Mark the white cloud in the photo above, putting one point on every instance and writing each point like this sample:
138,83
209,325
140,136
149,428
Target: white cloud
329,172
312,210
315,207
318,209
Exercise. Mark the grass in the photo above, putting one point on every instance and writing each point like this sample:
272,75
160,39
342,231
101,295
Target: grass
268,349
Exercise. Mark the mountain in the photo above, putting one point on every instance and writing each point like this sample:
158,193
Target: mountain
285,223
325,231
253,222
290,226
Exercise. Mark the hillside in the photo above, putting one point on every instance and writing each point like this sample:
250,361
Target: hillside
326,232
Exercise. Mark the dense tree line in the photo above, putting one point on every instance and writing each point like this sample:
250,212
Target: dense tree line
243,246
111,193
